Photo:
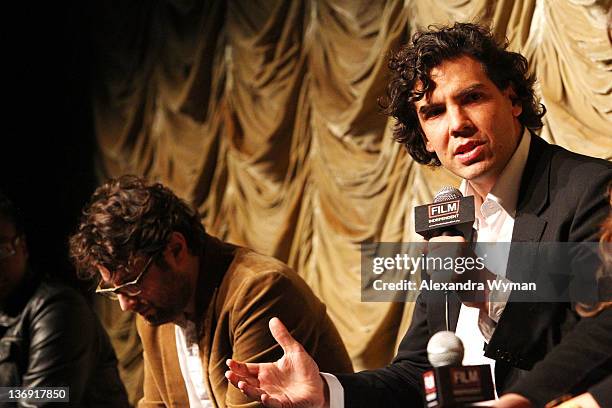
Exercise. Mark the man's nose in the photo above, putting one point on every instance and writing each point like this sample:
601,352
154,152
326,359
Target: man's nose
126,302
459,122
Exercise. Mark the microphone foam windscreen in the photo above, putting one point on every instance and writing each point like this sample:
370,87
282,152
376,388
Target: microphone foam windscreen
445,348
447,193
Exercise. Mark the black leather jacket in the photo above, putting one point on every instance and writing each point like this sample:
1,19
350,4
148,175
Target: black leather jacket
50,337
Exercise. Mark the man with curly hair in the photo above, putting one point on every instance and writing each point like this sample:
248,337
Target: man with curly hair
202,301
461,100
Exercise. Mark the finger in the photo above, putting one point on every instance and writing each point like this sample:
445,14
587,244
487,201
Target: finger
244,369
250,391
433,245
448,238
235,379
283,337
271,402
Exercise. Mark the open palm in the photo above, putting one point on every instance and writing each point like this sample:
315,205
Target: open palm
292,381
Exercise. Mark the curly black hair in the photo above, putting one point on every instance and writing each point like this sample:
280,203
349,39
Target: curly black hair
428,49
126,216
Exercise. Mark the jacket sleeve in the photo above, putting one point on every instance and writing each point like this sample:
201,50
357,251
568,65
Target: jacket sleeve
602,391
65,347
270,295
400,383
583,358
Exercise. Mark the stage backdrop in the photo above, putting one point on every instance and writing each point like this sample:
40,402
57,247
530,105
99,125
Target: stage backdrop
264,115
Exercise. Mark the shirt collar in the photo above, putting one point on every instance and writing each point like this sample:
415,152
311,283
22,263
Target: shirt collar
505,191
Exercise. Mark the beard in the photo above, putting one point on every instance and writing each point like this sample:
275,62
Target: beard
161,316
170,305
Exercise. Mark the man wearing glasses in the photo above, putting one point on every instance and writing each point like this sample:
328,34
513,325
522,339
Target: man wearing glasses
202,301
49,337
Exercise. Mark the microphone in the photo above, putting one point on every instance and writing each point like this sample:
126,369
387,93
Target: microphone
450,214
449,384
445,349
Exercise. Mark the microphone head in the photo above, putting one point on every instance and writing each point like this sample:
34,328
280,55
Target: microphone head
447,193
445,348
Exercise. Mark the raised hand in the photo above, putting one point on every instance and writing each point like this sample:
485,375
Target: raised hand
456,247
292,381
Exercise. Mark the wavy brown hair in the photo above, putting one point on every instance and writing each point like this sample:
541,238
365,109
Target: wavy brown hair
128,216
412,65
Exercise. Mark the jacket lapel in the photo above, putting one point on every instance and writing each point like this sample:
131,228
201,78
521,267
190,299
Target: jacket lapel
533,198
214,263
205,347
506,343
175,385
533,194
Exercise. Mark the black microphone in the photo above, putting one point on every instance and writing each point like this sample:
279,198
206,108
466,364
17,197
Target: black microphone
450,214
449,384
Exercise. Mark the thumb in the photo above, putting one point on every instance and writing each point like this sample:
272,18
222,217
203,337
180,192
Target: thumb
283,337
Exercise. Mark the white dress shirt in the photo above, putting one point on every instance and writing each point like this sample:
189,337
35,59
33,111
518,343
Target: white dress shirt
494,223
191,365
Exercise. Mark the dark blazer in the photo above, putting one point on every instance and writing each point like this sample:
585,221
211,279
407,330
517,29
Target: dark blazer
561,199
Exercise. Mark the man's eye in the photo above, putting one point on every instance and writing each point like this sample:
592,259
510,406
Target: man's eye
433,113
473,97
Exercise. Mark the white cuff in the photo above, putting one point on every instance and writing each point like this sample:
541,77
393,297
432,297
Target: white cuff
336,390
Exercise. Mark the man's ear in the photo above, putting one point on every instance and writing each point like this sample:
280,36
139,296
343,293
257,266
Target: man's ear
177,247
428,146
517,106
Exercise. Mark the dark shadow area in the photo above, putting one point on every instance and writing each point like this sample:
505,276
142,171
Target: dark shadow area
48,144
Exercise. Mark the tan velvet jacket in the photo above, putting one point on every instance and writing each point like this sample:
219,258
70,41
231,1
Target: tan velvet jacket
243,291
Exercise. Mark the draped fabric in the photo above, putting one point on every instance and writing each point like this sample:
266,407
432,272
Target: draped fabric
264,115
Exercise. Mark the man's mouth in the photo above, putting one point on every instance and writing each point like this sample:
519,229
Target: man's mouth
469,151
468,146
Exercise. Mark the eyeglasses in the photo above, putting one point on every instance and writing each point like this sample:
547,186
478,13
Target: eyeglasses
9,248
129,289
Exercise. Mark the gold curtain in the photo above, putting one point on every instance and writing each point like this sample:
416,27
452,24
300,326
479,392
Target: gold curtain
264,115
